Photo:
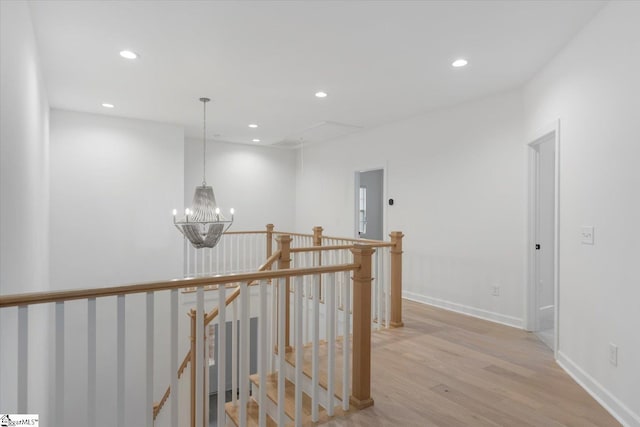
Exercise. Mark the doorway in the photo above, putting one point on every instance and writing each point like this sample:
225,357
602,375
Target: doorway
543,238
369,187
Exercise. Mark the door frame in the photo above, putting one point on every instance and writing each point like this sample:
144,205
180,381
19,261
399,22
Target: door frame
552,129
356,199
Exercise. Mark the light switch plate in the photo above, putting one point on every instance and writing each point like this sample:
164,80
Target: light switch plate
587,235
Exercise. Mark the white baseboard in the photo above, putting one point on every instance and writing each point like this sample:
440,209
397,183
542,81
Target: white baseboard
616,408
465,309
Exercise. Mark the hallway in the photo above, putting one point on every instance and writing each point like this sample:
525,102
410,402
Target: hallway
448,369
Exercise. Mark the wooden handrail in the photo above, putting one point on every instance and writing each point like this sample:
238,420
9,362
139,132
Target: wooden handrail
159,405
270,261
59,296
369,242
184,364
246,232
288,233
374,243
330,248
212,315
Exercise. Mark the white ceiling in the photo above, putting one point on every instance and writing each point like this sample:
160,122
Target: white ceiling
262,61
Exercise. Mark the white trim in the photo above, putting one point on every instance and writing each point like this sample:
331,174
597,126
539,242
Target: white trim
480,313
615,407
541,134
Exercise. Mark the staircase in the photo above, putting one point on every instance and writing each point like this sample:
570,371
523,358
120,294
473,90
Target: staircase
305,411
312,316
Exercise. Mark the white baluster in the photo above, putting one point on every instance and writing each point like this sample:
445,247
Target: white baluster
307,303
150,331
222,347
263,354
340,284
387,288
346,354
173,350
298,308
219,248
274,323
315,364
379,287
91,362
234,354
244,352
229,263
120,390
199,355
23,358
282,290
206,374
331,338
249,250
186,265
237,252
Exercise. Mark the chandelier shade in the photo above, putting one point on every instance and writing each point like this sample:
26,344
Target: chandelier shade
203,224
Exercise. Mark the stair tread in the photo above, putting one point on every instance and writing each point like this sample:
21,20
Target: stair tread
307,366
253,414
289,407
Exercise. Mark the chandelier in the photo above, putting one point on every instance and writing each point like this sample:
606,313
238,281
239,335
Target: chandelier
203,224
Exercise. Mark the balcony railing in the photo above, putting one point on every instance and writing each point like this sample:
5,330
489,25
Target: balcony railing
315,299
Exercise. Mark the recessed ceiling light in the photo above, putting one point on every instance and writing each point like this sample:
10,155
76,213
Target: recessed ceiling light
107,105
255,140
128,54
321,94
459,63
253,125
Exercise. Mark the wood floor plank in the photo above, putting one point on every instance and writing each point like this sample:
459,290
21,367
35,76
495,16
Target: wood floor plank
494,374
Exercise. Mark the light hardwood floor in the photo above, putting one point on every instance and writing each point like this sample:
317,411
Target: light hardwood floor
447,369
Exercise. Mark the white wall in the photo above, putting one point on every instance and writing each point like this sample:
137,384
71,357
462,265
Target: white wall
114,183
24,199
594,89
258,182
458,180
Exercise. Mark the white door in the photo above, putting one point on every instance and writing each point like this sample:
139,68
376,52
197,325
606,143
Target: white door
545,240
369,204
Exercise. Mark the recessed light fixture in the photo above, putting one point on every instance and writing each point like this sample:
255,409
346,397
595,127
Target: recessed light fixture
321,94
253,125
255,140
459,63
128,54
107,105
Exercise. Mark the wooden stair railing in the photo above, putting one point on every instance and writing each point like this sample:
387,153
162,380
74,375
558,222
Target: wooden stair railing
360,397
361,315
209,317
290,399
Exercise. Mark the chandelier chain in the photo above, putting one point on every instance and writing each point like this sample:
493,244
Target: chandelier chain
204,143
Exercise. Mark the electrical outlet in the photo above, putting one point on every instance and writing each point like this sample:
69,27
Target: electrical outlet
587,235
495,291
613,354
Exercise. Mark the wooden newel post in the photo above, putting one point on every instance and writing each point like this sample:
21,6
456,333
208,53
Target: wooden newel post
361,355
396,279
269,241
317,236
284,262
